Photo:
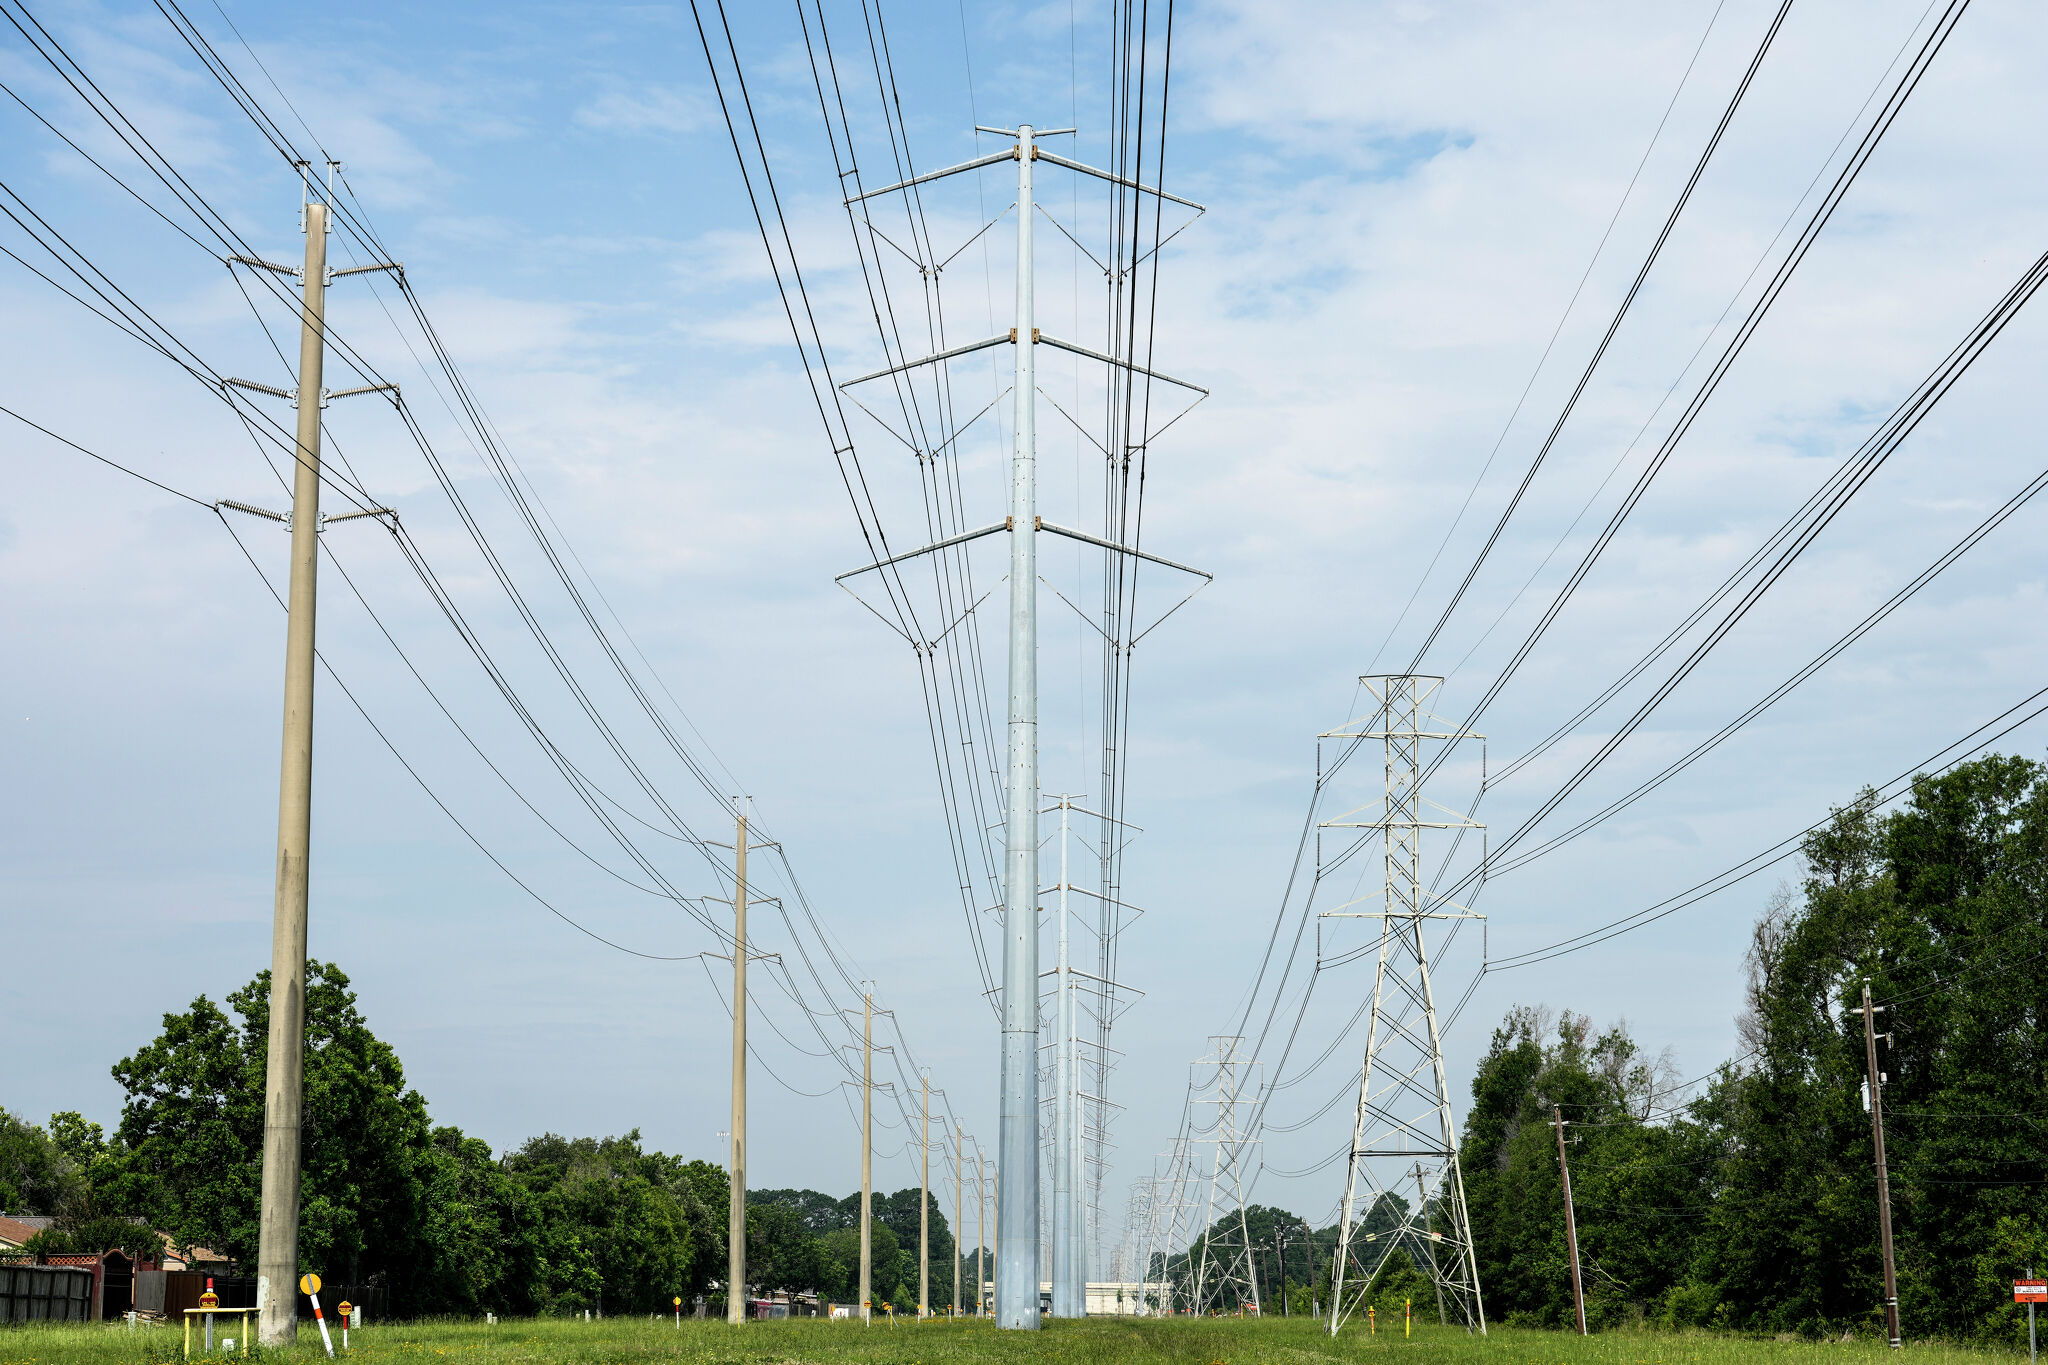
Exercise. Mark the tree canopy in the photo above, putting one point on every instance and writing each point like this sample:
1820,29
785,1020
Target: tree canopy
1754,1204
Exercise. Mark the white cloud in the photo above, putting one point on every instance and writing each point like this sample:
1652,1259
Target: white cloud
1402,200
658,110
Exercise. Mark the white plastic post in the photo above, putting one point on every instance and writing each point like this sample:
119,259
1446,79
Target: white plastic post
325,1340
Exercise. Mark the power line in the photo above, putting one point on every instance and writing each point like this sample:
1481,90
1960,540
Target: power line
1598,249
1600,351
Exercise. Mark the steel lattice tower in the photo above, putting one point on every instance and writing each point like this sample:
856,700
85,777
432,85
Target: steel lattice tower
1403,1129
1226,1260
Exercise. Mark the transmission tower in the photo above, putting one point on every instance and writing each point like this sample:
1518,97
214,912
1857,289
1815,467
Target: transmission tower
1224,1266
1403,1129
1020,1238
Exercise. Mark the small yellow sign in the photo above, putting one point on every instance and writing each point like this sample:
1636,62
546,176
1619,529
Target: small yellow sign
309,1283
679,1300
209,1300
344,1308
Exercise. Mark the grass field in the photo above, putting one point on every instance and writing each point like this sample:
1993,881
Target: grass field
1098,1342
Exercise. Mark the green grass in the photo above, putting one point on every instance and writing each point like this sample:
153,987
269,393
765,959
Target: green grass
1226,1341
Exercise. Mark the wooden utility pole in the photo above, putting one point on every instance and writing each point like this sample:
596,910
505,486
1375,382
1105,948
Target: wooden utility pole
277,1255
736,1178
924,1211
1884,1184
867,1152
1280,1235
1571,1224
1308,1235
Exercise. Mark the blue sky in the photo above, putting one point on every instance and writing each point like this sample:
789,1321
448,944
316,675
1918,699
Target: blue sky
1403,200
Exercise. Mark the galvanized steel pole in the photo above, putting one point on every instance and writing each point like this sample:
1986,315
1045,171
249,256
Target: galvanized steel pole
736,1222
867,1153
959,1189
924,1211
1065,1237
277,1256
1017,1230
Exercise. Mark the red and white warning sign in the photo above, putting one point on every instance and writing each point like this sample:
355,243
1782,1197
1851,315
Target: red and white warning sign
2030,1291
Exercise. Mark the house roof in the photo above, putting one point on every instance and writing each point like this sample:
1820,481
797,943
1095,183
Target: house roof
17,1228
193,1256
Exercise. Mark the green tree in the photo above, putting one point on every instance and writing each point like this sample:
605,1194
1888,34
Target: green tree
1939,907
1641,1182
820,1212
899,1213
35,1175
841,1249
192,1129
781,1252
483,1247
616,1226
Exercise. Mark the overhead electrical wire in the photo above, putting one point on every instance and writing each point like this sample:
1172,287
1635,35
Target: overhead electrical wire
1866,147
1614,326
1599,248
1932,45
284,149
1793,539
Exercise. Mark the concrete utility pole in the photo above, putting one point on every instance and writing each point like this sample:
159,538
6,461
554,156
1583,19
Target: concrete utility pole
284,1063
1884,1184
1571,1222
736,1224
867,1152
924,1210
1017,1136
277,1256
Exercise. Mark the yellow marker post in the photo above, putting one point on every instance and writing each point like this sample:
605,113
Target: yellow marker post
679,1312
208,1314
1372,1326
1408,1317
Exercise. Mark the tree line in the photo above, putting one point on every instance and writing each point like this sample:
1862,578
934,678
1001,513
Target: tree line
557,1225
1752,1203
1749,1201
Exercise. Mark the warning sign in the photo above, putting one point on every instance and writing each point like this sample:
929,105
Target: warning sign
2030,1291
